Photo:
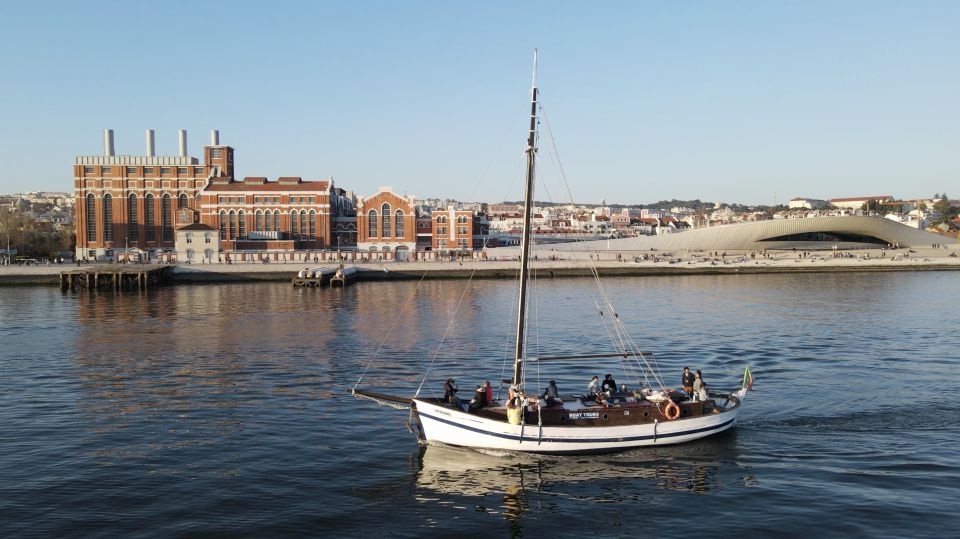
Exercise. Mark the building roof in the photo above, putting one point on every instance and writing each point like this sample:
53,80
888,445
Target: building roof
260,183
197,226
855,199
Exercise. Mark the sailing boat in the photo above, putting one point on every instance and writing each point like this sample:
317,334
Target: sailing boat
602,423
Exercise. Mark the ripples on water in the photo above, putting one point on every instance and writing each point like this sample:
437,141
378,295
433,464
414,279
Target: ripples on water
225,410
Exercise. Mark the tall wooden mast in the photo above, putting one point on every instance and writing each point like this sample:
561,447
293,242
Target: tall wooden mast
525,241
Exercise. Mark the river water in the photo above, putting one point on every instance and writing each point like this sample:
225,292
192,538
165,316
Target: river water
225,410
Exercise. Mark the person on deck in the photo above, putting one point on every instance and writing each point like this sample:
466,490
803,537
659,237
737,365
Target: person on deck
479,397
488,389
687,381
551,395
594,388
450,392
699,388
609,385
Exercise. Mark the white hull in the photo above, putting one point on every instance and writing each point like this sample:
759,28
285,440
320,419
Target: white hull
451,427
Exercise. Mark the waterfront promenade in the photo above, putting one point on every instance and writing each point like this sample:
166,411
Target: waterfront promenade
550,264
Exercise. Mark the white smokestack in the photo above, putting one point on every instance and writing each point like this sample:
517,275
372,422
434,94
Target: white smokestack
183,143
151,147
108,142
214,138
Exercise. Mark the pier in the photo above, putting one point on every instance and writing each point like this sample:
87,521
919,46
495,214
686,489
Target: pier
344,276
314,277
115,279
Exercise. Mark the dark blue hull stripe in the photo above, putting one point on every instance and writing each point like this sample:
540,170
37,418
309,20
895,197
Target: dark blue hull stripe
579,440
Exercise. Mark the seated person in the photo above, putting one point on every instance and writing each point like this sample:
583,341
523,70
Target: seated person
593,388
609,385
479,397
551,395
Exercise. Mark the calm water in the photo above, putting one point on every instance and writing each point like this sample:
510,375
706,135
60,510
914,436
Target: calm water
225,409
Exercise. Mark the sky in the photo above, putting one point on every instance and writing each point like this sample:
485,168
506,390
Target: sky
754,102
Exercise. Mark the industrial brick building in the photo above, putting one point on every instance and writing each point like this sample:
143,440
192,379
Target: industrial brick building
131,207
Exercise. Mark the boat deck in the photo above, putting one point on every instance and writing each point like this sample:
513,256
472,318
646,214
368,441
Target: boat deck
624,409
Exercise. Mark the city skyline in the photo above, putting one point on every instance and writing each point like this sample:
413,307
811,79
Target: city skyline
747,103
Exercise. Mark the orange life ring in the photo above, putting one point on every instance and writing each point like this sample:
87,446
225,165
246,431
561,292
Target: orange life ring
672,411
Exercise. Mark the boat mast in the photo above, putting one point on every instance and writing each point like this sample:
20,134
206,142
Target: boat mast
525,239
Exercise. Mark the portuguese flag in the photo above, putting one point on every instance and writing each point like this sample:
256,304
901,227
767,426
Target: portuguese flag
747,379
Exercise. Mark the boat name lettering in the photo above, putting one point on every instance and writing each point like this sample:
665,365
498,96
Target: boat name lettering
584,415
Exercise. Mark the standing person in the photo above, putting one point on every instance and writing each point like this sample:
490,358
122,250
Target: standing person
700,388
594,388
688,381
450,391
489,390
609,384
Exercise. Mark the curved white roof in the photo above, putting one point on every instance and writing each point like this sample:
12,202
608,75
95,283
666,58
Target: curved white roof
845,232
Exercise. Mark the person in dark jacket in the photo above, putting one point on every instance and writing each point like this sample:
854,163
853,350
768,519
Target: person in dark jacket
687,381
551,395
450,391
609,384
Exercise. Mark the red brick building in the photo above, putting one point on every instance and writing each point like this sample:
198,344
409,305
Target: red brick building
387,222
128,202
130,207
461,230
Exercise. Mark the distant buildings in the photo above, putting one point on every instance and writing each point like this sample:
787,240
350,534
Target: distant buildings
136,204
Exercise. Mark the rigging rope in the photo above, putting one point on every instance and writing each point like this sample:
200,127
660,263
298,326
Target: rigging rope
445,332
392,326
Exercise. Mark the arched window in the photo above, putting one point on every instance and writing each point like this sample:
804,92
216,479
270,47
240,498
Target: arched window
233,225
385,212
133,231
223,225
462,220
313,225
258,221
276,220
166,214
372,224
183,201
294,223
303,224
148,218
242,222
107,217
442,219
398,226
91,217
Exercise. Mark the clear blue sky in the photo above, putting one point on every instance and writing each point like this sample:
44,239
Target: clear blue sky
750,102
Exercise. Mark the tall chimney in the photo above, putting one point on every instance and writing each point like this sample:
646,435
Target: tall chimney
151,148
108,142
214,138
183,143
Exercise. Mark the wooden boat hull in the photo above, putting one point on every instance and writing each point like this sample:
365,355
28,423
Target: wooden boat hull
446,425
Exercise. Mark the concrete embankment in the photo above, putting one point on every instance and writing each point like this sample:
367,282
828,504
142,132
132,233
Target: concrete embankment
785,263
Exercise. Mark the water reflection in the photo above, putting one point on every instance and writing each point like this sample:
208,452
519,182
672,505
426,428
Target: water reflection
508,484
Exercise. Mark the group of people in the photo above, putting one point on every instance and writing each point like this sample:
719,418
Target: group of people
694,386
482,395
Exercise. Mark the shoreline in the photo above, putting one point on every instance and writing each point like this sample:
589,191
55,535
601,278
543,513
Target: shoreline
928,260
